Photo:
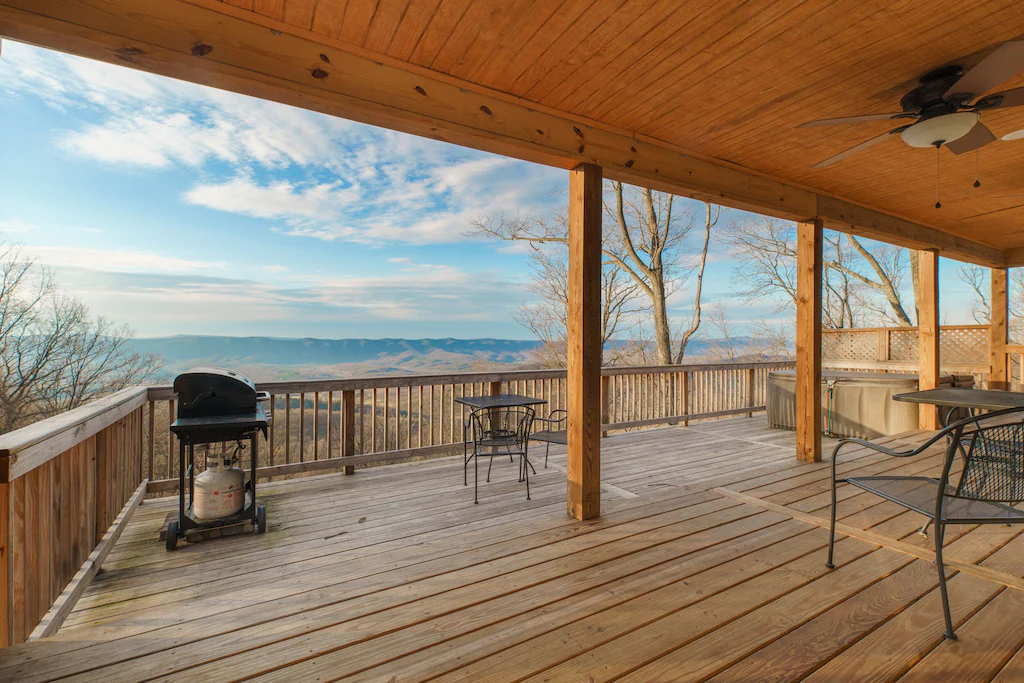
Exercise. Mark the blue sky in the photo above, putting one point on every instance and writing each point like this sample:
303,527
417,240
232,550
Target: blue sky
180,209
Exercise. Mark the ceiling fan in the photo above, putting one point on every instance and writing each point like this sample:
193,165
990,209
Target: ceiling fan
945,108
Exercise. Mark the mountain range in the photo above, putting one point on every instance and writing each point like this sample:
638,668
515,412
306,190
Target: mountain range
274,358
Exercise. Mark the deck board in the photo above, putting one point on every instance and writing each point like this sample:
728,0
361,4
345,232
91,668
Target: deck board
394,574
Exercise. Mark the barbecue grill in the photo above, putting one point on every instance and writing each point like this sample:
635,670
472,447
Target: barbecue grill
214,406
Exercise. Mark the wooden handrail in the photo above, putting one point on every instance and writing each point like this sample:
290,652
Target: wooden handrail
333,423
166,392
25,449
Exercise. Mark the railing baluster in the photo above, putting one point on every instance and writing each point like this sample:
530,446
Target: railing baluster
287,428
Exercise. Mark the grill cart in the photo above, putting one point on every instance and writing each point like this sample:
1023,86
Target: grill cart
216,406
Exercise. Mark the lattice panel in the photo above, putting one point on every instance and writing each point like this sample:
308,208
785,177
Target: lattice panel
903,344
963,344
849,345
957,344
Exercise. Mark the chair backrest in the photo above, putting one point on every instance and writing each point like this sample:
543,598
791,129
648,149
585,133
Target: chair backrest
515,422
993,464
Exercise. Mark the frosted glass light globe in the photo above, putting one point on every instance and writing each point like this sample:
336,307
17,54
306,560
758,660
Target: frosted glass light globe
940,129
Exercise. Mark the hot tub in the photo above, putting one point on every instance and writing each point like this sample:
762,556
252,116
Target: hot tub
853,403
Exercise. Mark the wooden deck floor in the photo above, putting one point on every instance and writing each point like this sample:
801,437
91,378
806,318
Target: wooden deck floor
394,575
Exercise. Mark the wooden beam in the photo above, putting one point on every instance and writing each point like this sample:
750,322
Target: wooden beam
808,340
1014,257
997,328
928,332
583,384
262,57
842,215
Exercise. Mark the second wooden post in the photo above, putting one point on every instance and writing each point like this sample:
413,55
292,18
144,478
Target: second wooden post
584,344
928,332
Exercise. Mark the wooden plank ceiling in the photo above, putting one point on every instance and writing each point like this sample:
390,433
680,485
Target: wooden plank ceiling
730,79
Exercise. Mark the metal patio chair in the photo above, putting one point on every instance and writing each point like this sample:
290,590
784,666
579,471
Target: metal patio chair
991,482
495,428
554,433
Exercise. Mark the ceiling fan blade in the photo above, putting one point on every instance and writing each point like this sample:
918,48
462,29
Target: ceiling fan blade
979,136
850,119
1001,100
856,150
1002,64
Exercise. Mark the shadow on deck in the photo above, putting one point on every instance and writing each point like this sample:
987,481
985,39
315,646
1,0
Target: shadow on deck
708,562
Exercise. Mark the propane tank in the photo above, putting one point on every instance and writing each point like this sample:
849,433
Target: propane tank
220,488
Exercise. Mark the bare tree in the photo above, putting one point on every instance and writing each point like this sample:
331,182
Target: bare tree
644,240
546,318
977,278
54,356
860,283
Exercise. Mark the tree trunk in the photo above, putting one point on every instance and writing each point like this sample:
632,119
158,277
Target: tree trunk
662,331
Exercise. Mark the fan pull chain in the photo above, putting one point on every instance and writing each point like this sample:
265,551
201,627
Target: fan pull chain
938,204
977,167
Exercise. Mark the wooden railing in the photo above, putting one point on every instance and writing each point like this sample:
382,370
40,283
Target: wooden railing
344,423
69,484
63,484
1015,363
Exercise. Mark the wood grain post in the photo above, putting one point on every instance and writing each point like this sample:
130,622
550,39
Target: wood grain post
583,378
928,332
808,340
348,427
998,327
6,592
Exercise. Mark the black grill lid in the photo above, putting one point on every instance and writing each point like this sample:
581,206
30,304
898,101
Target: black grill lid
209,392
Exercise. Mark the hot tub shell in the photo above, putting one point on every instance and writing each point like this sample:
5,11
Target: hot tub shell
855,404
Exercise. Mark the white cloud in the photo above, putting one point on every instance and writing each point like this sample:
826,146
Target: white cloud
13,226
279,199
319,176
122,261
440,299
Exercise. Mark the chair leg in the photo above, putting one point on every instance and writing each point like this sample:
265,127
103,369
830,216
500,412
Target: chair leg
465,463
832,529
476,479
489,465
526,473
940,532
547,450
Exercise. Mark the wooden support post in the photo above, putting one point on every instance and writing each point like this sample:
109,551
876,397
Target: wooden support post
808,340
6,578
928,332
997,329
583,383
348,428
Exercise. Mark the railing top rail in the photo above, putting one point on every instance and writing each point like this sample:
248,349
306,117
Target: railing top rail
165,392
848,330
27,448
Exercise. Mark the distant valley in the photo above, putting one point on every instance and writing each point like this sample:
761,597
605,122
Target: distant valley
271,358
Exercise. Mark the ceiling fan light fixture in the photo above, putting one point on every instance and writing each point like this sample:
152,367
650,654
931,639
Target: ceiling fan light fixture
940,129
1015,135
